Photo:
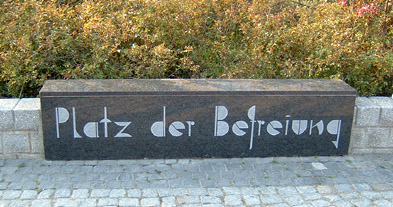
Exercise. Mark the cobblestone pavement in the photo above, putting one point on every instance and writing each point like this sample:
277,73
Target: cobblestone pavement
365,180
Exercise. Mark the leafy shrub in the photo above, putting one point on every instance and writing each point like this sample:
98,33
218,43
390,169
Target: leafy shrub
63,39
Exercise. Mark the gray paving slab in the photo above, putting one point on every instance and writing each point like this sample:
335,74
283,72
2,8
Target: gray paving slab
361,180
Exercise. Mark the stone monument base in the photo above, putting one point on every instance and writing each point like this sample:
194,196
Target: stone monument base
176,118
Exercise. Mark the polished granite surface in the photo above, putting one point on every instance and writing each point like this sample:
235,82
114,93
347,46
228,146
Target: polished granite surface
136,119
131,86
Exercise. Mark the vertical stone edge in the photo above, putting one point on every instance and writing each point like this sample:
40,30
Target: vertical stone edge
352,140
358,138
36,142
1,143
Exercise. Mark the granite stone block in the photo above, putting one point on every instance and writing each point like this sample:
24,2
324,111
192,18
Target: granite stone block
16,142
172,119
27,114
386,105
367,112
378,137
6,114
37,145
1,142
359,138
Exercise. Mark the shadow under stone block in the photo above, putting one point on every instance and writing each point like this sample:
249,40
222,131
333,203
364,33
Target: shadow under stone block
197,118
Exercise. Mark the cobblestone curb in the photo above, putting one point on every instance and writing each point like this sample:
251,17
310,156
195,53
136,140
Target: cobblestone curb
274,182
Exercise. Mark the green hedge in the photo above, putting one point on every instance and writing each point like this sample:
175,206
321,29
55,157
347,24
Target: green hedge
64,39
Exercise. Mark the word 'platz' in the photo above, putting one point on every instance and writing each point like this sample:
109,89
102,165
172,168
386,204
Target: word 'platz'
273,128
90,129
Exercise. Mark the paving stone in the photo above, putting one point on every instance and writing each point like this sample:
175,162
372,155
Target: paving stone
62,193
80,193
179,191
349,196
312,196
320,203
271,199
134,193
269,190
387,194
18,203
45,194
293,200
324,189
210,200
362,186
287,190
164,192
373,185
100,193
381,203
363,202
107,202
150,202
149,193
304,205
306,189
215,192
332,198
232,190
208,183
197,191
168,201
381,187
343,203
123,202
190,199
233,200
251,200
11,194
279,205
15,185
41,203
117,193
175,183
28,195
343,188
89,202
371,195
249,191
63,202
